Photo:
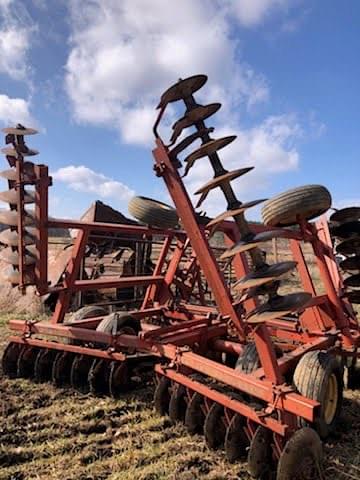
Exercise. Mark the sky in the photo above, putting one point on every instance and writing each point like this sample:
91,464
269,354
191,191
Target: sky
89,74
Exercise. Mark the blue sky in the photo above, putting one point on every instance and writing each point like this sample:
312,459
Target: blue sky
89,74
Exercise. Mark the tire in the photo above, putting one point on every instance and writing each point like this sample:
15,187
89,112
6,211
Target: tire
117,321
153,213
249,360
306,202
88,311
316,375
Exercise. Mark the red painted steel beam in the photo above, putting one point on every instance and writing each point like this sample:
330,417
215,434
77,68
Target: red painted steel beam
123,282
223,399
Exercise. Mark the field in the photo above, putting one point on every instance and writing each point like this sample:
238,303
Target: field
49,433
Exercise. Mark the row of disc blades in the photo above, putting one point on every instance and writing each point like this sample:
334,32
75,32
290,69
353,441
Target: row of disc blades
345,229
17,197
263,275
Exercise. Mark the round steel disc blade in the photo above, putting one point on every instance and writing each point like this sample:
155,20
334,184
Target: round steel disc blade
177,405
28,172
197,114
19,131
353,281
259,454
182,89
118,378
194,416
99,374
26,361
231,213
10,359
278,307
13,276
44,364
236,441
351,264
244,245
62,367
79,373
217,181
346,215
346,230
11,238
209,148
349,247
214,426
11,152
353,297
10,217
12,257
162,396
265,275
11,196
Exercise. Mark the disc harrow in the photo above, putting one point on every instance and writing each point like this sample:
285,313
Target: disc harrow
258,372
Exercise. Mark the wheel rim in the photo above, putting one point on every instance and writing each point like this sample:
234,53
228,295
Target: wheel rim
331,399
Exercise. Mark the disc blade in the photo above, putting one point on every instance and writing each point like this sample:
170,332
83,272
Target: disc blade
12,257
244,245
231,213
19,130
11,196
26,152
217,181
346,230
207,149
353,297
197,114
349,247
13,276
10,217
346,215
353,281
351,263
11,238
28,172
265,275
280,306
182,89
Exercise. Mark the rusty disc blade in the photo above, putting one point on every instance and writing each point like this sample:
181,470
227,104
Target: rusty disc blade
10,217
11,196
244,245
209,148
353,281
25,152
194,416
43,365
11,238
26,361
10,359
28,172
279,306
231,213
351,264
79,373
162,396
265,275
217,181
214,426
182,89
13,276
99,376
10,256
236,441
349,247
346,215
61,368
353,297
197,114
19,130
259,453
346,230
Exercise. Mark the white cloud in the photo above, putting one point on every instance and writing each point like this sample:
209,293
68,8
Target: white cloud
15,110
83,179
253,12
16,29
124,54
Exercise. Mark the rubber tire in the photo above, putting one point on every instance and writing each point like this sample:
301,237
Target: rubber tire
305,442
308,202
310,379
153,213
115,322
88,311
249,360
